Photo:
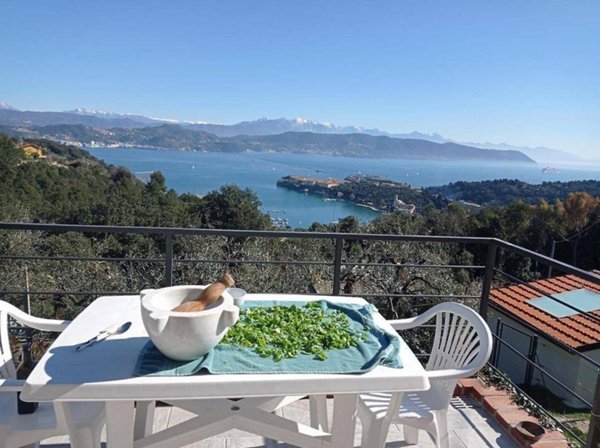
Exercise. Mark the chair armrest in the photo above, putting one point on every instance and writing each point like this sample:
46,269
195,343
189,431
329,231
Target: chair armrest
10,385
31,321
403,324
447,374
412,322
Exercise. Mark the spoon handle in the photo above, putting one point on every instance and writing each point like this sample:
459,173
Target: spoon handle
87,343
103,336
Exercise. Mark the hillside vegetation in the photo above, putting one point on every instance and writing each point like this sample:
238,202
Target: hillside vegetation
506,191
69,186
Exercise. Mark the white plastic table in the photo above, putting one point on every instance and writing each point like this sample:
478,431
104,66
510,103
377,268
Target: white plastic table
104,371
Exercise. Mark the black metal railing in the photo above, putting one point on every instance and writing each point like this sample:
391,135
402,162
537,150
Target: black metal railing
489,249
169,261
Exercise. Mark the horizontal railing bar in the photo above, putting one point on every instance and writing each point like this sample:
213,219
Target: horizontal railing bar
240,233
415,265
123,293
126,293
308,263
564,267
540,407
590,316
72,293
199,260
439,296
544,371
324,263
537,332
111,259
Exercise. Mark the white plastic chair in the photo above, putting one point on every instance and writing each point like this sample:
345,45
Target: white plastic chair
462,345
82,421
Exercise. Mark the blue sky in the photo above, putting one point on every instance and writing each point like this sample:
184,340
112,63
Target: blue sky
524,72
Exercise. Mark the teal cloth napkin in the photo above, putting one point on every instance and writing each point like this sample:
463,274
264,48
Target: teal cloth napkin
379,348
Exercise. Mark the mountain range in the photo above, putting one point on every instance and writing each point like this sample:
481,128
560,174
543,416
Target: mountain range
173,136
10,116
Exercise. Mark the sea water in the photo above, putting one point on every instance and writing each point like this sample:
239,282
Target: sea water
200,173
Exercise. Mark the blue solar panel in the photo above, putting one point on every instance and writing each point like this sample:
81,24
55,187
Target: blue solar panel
583,299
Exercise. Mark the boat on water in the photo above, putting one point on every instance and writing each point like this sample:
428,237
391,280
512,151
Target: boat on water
280,223
550,170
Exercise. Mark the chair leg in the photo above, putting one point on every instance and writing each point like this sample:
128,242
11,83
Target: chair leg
365,427
376,434
442,439
85,438
411,435
318,412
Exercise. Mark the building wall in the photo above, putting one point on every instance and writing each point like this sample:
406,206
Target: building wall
570,369
32,151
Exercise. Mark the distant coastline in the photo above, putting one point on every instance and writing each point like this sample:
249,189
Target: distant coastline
175,137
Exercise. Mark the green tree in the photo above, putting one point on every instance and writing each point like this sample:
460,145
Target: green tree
233,208
157,184
10,154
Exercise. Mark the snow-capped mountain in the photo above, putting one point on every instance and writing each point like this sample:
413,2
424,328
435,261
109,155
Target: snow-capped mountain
269,126
114,115
263,126
6,106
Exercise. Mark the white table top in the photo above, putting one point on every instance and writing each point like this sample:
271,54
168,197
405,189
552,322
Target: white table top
104,371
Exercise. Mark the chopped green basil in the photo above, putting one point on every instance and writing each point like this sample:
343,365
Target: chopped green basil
286,331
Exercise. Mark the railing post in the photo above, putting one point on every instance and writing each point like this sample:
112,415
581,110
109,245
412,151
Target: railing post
488,276
168,259
593,438
496,352
337,266
531,356
551,255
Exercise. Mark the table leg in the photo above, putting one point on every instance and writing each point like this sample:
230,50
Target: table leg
318,412
144,418
119,424
343,426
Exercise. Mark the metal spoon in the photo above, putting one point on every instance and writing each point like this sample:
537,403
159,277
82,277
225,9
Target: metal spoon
104,335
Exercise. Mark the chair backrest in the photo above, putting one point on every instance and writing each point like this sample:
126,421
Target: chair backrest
461,346
7,367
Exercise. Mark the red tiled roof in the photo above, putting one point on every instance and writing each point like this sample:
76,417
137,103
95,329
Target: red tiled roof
577,331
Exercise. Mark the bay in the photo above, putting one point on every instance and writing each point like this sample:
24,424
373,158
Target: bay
200,173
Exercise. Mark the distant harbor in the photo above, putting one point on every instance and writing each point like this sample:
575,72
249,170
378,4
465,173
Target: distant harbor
280,223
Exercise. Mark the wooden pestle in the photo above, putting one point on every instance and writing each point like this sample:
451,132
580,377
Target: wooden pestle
208,295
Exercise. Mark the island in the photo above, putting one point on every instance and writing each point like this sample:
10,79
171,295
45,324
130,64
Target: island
378,194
